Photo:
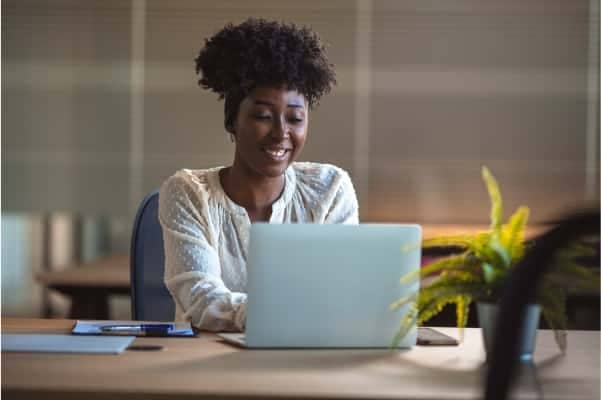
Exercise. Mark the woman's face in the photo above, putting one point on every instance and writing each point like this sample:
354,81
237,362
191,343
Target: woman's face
270,130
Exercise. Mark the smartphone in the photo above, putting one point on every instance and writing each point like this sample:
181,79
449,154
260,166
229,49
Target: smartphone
431,337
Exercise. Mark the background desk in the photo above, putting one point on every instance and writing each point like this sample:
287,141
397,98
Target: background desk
205,367
90,285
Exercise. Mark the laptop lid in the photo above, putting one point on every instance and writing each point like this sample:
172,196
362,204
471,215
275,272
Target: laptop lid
313,285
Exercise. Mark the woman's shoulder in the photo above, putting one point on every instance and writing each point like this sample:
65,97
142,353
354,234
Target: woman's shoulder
320,177
197,182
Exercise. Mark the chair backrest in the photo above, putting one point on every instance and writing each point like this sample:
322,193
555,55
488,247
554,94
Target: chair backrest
151,300
519,290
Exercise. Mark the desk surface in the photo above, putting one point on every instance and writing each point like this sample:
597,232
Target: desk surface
205,367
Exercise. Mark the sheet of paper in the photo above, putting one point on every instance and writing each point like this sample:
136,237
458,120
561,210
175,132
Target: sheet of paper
60,343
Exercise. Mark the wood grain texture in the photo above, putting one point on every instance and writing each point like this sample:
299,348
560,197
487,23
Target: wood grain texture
205,367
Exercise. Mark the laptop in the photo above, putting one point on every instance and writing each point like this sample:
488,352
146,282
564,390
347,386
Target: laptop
328,286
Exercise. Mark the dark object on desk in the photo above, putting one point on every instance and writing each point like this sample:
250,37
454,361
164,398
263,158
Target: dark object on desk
432,337
145,347
151,300
520,288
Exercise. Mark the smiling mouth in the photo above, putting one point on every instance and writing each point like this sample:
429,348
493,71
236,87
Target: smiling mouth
276,154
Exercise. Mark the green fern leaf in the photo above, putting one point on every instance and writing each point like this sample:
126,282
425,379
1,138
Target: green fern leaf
553,302
450,282
433,308
571,268
407,323
512,236
462,312
461,241
431,300
496,212
464,261
575,279
453,262
463,303
575,250
490,251
498,252
402,301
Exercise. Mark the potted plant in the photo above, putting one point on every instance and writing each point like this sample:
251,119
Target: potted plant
478,272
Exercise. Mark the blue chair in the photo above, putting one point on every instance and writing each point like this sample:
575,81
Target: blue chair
151,301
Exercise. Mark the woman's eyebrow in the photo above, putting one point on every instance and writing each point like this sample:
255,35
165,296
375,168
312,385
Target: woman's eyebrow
268,103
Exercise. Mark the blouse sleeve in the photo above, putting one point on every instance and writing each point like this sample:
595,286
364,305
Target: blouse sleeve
344,208
192,266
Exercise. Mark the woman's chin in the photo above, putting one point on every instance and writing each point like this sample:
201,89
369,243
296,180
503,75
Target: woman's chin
275,171
271,170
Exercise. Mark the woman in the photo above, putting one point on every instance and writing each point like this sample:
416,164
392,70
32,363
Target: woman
270,75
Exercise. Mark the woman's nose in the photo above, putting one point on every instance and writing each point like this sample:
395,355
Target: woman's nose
281,128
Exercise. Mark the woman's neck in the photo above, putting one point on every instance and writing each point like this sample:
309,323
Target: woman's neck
255,193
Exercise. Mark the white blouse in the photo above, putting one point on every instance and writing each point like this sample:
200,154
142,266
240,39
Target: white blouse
206,235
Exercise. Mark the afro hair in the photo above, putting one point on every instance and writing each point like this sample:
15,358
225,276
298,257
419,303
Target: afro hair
258,52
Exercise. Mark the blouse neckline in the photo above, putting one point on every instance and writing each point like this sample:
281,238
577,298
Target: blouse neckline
276,208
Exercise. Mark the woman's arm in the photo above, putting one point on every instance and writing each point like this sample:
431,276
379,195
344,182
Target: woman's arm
192,265
344,208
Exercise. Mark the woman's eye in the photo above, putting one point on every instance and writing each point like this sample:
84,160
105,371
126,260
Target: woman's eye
263,116
295,120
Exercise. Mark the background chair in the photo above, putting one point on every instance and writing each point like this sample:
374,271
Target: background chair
151,301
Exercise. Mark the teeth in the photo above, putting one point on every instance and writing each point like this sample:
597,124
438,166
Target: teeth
276,153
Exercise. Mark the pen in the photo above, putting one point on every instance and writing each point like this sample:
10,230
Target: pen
138,329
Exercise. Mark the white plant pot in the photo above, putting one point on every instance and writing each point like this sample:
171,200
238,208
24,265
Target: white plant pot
487,315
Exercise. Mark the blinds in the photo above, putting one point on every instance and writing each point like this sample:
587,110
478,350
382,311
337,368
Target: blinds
428,92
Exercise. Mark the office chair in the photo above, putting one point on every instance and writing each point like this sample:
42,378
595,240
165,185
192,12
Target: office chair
151,301
521,287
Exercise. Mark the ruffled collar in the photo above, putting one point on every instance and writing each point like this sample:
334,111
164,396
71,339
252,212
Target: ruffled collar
277,207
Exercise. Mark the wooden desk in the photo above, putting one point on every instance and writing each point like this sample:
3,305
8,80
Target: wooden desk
205,367
90,285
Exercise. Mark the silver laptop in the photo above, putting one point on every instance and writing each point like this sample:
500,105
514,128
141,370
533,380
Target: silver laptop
328,286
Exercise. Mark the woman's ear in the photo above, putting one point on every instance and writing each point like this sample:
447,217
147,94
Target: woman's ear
229,127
